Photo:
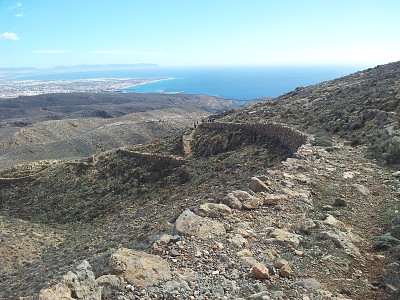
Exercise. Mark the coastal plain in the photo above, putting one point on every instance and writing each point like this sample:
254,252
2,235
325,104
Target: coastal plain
16,88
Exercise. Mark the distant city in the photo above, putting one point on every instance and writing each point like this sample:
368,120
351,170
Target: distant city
13,89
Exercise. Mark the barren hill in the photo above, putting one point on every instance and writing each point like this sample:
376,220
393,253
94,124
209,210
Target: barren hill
255,210
60,126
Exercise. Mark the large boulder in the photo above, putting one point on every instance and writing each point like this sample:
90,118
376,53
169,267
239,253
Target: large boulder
192,224
260,271
79,285
341,240
256,185
109,284
139,268
242,195
231,201
213,210
283,237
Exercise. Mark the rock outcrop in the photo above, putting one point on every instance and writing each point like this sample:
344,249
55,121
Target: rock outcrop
192,224
79,285
139,268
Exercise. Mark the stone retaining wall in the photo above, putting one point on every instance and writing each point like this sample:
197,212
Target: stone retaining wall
16,179
158,159
280,135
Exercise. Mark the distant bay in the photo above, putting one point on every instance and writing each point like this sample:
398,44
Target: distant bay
228,82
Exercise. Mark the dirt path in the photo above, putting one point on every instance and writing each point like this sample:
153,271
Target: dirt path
363,185
187,138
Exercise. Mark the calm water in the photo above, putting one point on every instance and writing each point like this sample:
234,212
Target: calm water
228,82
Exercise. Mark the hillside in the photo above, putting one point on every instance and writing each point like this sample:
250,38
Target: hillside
363,108
61,126
240,208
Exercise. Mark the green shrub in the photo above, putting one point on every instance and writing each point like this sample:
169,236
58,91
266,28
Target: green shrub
393,155
323,142
386,241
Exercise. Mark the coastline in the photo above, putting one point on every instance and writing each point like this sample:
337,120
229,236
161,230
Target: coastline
131,89
13,89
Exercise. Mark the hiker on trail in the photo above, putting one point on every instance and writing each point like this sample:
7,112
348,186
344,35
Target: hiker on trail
194,125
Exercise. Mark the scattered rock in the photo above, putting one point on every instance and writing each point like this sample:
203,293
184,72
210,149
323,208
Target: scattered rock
139,268
332,221
248,260
58,291
342,241
285,271
304,224
174,286
244,252
327,207
256,185
251,204
242,232
174,253
396,174
82,285
269,254
341,202
362,189
174,239
260,271
160,242
279,263
192,224
109,283
213,210
231,201
260,296
283,237
242,195
239,241
308,283
302,178
348,175
273,199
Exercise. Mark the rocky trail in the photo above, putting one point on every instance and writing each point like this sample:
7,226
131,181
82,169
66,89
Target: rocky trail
187,138
303,230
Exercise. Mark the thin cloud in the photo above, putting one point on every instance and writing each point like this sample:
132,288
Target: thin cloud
9,36
51,51
16,5
124,52
19,15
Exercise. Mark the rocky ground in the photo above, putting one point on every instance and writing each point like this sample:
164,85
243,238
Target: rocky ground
302,230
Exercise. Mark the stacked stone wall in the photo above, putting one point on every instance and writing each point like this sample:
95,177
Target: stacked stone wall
283,136
157,159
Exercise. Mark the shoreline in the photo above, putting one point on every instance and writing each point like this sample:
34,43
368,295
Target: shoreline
16,88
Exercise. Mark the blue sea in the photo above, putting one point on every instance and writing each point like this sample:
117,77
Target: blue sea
243,83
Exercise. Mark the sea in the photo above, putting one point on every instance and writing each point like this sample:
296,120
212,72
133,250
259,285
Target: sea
235,82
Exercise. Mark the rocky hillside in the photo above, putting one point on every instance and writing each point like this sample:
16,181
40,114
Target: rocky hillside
363,108
65,126
79,138
239,208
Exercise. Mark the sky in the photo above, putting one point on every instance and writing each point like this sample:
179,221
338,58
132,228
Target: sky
47,33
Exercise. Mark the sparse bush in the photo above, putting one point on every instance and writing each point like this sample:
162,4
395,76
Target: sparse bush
386,241
393,155
322,141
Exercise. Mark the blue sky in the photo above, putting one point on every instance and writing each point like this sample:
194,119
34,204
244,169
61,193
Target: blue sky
46,33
